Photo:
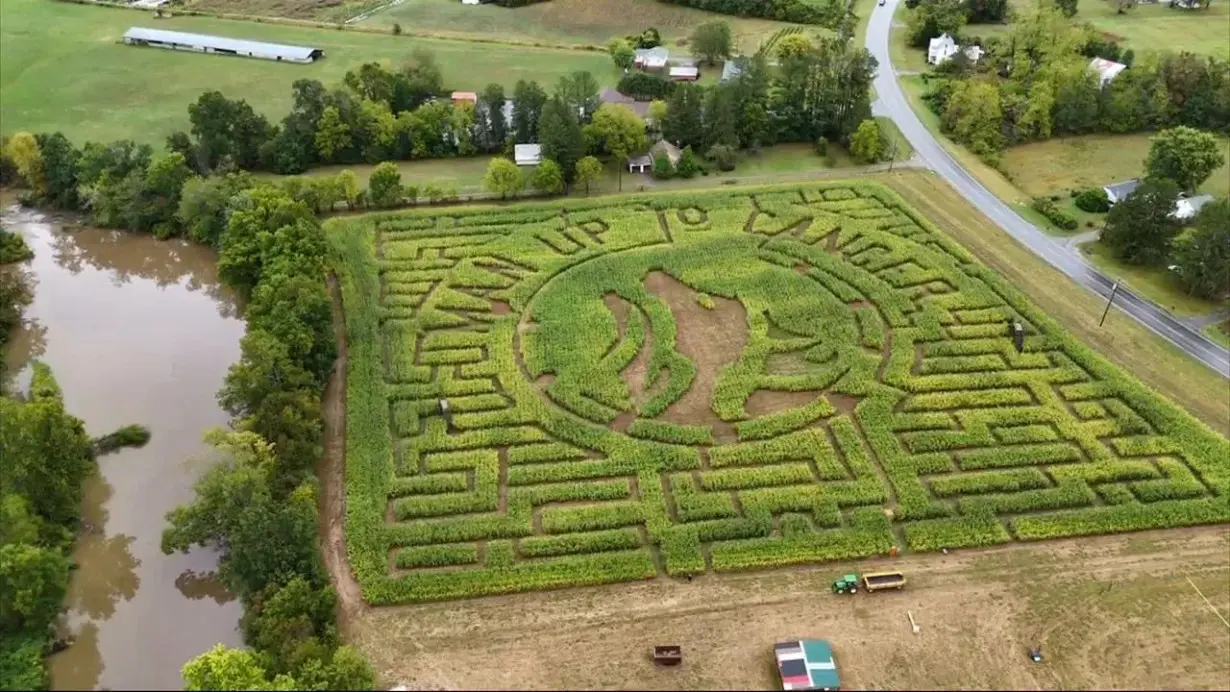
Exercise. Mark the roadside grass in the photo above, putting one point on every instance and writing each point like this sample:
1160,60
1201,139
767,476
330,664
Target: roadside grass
1219,332
1155,283
1122,340
64,68
904,150
591,22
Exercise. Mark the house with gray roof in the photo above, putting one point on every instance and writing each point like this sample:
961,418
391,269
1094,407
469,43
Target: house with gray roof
609,95
1117,192
1186,208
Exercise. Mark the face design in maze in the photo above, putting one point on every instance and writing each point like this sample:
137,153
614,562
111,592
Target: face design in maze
708,333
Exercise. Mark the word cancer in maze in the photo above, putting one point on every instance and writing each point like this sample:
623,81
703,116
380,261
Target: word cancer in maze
673,385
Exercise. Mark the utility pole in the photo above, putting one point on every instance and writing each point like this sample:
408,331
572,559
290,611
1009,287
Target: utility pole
892,154
1113,290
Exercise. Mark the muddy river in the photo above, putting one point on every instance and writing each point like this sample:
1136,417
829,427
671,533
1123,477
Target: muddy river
137,331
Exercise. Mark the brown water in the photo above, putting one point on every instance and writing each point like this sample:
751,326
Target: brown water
137,331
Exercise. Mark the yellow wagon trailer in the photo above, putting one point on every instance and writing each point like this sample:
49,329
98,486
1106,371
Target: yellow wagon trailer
879,581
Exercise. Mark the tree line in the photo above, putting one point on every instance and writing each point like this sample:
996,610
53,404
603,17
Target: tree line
1035,83
259,506
828,13
47,455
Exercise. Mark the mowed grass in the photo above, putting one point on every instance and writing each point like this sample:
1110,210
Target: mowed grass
1122,340
1152,26
65,68
1057,165
1157,283
569,21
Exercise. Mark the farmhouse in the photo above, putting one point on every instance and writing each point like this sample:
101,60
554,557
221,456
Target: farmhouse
1187,208
609,95
527,154
1117,192
1106,69
202,43
651,59
940,49
644,162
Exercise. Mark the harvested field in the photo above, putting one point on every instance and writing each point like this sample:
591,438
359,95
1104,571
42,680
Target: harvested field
553,471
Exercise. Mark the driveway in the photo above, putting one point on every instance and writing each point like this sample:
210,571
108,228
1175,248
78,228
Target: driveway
892,102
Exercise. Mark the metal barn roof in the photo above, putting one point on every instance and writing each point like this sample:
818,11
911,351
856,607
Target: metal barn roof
231,44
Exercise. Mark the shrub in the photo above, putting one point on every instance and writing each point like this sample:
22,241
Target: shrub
662,168
688,166
1046,207
1093,200
722,156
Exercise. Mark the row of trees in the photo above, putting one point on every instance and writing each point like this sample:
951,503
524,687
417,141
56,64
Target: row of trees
259,506
47,456
827,13
1036,83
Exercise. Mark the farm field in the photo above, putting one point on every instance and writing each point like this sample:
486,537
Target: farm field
64,68
1153,26
1093,604
671,385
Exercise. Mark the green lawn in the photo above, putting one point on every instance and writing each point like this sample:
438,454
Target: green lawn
1057,165
1219,332
568,21
1152,27
63,68
1155,283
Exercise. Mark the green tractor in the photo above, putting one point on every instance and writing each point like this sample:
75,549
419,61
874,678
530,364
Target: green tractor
847,584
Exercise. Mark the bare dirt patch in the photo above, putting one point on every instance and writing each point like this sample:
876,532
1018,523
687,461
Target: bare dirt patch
843,403
765,401
709,338
1107,614
331,470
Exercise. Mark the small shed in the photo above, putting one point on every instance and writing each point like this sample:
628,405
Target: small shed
1117,192
527,154
732,68
460,96
685,73
644,162
651,59
1106,69
807,664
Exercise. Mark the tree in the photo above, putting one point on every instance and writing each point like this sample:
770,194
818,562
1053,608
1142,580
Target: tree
656,113
589,169
549,178
33,580
332,135
1185,155
1035,122
987,11
1067,7
793,46
159,201
974,115
721,113
259,215
712,41
688,166
528,101
503,177
867,144
226,129
492,123
579,91
204,203
22,150
1140,229
618,131
622,53
221,668
722,156
1202,258
59,170
296,310
684,124
348,184
1077,94
662,167
265,366
384,186
561,137
934,18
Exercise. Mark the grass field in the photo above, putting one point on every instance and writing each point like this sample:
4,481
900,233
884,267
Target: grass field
1155,283
723,381
1219,332
65,69
1153,26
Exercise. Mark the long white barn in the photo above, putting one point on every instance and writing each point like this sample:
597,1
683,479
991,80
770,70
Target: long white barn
203,43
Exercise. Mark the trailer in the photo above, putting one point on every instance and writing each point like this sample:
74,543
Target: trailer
879,581
806,664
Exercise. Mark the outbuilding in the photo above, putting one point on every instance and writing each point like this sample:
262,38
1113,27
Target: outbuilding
806,664
527,154
220,45
1117,192
685,73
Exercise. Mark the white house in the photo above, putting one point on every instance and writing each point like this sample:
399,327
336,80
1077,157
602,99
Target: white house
527,154
469,2
1117,192
940,49
651,58
1187,208
1106,69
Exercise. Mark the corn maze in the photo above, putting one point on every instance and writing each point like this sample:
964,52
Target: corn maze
670,385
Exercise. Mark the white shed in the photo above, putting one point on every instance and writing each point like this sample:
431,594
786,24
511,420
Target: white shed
527,154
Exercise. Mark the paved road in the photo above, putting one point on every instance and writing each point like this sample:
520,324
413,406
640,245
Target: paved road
892,102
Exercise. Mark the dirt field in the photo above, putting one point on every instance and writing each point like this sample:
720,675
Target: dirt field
1108,612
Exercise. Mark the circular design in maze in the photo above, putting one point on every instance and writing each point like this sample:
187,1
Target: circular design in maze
699,341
